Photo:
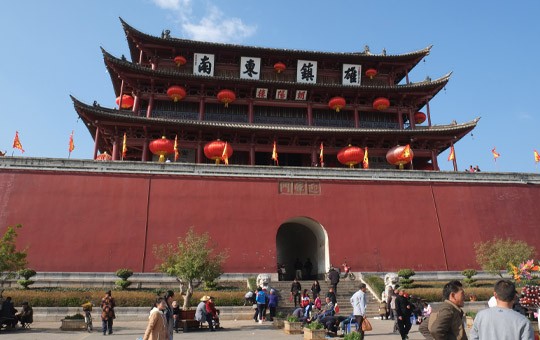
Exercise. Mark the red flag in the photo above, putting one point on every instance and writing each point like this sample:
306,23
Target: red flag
321,154
536,156
176,154
17,142
452,154
366,159
224,155
71,143
495,154
274,154
124,146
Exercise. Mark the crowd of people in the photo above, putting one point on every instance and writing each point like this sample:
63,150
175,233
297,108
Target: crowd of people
11,317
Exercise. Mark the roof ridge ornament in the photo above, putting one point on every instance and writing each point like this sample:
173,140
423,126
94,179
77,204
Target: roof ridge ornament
166,34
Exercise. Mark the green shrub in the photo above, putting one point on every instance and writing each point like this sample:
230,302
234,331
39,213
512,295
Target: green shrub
252,283
406,274
25,283
122,284
210,285
280,315
292,318
315,325
471,314
26,273
353,336
77,316
376,283
124,273
469,273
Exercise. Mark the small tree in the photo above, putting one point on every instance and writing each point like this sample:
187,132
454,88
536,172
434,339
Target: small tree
497,254
192,261
26,274
11,260
124,274
406,274
469,273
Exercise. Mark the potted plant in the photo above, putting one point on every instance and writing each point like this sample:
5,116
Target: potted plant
73,323
292,325
469,317
352,336
279,320
314,330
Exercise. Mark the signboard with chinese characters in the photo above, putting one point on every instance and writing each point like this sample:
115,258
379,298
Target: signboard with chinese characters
261,93
203,64
306,72
300,95
250,68
281,94
351,75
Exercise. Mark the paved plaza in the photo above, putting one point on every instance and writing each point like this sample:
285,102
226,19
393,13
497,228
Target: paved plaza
233,330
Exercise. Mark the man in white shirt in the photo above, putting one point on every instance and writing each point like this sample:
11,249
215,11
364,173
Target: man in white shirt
501,322
358,302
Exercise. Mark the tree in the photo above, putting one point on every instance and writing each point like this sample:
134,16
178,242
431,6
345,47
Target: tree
497,254
11,260
192,261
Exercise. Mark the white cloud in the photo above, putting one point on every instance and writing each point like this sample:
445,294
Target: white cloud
213,26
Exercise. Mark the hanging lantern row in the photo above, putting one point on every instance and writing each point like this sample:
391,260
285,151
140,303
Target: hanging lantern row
176,92
179,60
371,72
280,67
161,147
214,150
350,155
419,117
381,104
336,103
400,155
127,101
226,97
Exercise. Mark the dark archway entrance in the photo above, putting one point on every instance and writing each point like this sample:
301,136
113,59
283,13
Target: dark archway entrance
302,238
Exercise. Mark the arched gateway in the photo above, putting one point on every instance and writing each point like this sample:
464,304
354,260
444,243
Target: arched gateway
302,238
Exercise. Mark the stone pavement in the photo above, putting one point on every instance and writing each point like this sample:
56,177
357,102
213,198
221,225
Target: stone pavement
233,330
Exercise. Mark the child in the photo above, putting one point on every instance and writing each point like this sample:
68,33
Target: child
383,313
176,315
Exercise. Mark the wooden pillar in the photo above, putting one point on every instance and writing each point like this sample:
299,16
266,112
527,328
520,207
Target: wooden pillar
252,154
250,111
144,156
150,106
434,160
201,108
121,95
137,103
140,57
310,114
115,149
96,138
407,77
314,156
356,117
428,114
199,156
411,119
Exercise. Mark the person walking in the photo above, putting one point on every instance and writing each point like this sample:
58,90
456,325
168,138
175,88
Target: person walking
315,289
261,304
358,302
403,312
157,328
501,322
272,303
107,313
296,288
333,276
169,312
446,323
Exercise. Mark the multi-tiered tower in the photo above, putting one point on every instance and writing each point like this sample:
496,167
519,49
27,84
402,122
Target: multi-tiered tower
252,97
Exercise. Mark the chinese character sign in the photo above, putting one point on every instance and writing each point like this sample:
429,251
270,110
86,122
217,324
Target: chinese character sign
306,72
300,95
261,93
351,74
203,64
281,94
250,68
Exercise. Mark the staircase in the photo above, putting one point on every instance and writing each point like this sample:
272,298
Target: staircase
345,289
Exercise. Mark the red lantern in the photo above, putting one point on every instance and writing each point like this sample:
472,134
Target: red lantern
279,67
127,101
104,157
226,97
419,117
162,147
336,103
371,72
350,155
400,155
180,60
176,92
214,150
381,103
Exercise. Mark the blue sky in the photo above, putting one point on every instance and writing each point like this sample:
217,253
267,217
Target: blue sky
51,49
